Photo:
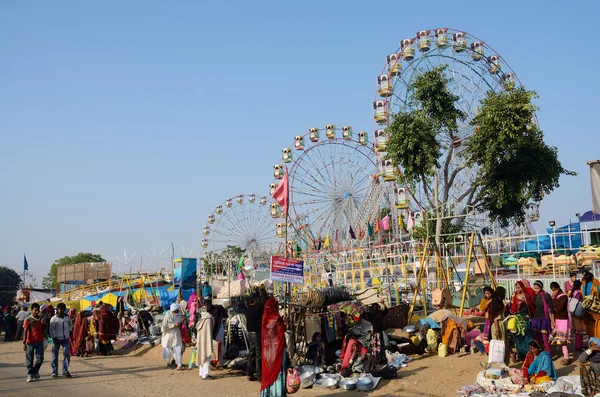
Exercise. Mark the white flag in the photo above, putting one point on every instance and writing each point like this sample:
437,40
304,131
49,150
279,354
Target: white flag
595,183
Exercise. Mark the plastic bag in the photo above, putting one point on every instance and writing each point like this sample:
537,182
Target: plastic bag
292,382
497,350
511,324
432,341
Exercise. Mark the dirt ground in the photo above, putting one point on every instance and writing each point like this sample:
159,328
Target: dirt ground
142,373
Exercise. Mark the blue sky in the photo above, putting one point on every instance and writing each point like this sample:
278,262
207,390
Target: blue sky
123,124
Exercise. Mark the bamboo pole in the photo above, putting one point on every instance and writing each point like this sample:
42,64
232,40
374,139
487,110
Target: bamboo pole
487,265
419,278
468,269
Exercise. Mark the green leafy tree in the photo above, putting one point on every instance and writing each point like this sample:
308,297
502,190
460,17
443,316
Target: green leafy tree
214,262
505,152
9,285
428,225
515,164
83,257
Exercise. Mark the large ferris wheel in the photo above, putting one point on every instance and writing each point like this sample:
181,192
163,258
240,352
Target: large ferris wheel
473,68
338,187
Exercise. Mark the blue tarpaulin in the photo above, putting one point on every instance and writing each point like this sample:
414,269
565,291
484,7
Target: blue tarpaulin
169,297
567,237
541,244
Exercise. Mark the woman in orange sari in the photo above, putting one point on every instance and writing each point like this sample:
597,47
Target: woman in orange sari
591,287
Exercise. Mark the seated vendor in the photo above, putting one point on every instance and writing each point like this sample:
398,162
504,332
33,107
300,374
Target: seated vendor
538,367
590,368
353,353
316,350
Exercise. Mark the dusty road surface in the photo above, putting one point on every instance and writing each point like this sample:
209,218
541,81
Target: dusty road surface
142,373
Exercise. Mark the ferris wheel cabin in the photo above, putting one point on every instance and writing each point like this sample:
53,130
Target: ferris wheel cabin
330,131
394,65
347,132
278,171
313,134
384,88
363,138
379,111
408,51
460,42
441,38
401,199
299,142
286,156
389,173
478,50
424,41
272,188
381,140
494,66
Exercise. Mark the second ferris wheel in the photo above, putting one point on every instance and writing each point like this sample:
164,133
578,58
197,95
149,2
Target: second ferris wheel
338,188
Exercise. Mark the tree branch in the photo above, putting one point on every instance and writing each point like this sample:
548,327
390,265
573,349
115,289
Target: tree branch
446,166
470,191
427,196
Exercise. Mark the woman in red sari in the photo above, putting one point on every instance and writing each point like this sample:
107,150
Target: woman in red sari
80,333
273,352
109,328
522,304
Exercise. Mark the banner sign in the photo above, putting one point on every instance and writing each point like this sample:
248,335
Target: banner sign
287,270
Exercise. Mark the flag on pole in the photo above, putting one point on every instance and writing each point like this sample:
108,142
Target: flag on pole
376,227
385,222
410,223
25,264
241,263
352,233
400,222
326,243
370,229
282,193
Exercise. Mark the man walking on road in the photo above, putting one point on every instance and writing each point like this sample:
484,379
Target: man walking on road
21,316
33,343
60,327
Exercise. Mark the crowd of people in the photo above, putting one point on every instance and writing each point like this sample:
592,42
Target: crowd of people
533,320
80,334
529,323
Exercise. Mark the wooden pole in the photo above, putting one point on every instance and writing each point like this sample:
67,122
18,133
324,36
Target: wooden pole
419,278
487,265
468,268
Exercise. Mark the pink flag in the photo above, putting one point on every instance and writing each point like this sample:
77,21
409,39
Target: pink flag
282,193
410,224
385,223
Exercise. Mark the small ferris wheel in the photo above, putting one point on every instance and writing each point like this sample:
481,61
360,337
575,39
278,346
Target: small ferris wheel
243,221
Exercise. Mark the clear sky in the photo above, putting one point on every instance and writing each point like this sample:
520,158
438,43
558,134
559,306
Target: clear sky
122,124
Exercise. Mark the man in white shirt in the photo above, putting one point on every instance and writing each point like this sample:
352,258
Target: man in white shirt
21,317
60,327
171,336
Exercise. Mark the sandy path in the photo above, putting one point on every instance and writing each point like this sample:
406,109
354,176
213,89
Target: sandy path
141,373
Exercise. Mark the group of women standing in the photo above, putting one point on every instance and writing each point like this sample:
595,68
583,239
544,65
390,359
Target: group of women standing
94,333
545,317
